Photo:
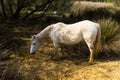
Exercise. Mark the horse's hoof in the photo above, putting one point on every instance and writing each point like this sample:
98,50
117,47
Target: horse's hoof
91,63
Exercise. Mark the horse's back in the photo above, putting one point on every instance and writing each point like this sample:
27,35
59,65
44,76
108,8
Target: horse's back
87,26
87,23
82,26
73,33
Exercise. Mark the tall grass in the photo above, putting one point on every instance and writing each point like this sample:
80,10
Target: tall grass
110,33
92,10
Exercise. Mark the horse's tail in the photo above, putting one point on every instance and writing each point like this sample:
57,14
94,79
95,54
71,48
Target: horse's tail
97,44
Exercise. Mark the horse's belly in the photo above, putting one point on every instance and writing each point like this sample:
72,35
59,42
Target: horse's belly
70,40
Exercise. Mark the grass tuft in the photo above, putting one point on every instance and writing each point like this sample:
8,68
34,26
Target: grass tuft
110,33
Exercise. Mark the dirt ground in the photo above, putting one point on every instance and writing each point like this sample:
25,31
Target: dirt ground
72,67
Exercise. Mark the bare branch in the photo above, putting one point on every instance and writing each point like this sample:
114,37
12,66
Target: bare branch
41,7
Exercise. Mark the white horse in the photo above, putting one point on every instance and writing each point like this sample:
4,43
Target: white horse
70,34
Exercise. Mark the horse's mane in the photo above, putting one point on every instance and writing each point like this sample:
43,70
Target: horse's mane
45,32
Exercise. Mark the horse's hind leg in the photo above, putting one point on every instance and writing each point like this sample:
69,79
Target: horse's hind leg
91,49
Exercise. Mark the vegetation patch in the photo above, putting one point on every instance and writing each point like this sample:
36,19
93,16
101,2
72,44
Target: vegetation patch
16,63
92,10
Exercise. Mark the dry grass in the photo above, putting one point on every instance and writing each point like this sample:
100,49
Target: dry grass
93,10
93,4
73,67
20,65
86,5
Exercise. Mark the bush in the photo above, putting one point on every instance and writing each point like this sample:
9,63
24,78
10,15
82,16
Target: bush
110,34
92,10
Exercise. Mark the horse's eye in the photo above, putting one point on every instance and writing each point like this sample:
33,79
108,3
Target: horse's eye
33,43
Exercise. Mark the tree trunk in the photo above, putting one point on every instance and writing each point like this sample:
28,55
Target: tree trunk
20,6
10,7
3,9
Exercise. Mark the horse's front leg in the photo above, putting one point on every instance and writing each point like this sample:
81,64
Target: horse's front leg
56,46
63,51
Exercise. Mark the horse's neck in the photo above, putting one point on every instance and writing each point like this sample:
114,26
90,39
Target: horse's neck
45,32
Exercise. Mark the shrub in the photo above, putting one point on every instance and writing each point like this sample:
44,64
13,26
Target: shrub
92,10
110,33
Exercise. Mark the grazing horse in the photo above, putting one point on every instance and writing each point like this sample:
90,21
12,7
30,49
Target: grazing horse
70,34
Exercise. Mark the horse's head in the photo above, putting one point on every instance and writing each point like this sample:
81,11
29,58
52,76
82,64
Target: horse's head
34,44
